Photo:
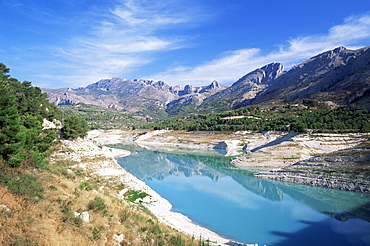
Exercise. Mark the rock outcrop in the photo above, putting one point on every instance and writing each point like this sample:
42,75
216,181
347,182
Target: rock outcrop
344,170
340,75
247,87
275,149
231,146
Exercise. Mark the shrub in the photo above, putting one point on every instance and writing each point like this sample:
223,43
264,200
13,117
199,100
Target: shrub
74,127
177,241
97,204
96,232
86,186
23,184
365,127
132,196
156,230
125,215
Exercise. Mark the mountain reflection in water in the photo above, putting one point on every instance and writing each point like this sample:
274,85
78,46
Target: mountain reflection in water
154,167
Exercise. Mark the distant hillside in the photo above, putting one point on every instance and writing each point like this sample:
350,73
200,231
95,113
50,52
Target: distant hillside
244,90
149,97
339,77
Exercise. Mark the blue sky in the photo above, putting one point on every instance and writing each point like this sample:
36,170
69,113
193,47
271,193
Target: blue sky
73,43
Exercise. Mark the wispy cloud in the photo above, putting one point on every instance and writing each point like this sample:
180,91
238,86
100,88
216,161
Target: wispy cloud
150,15
353,33
122,39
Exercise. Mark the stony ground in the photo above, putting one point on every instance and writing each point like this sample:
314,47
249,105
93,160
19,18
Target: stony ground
347,169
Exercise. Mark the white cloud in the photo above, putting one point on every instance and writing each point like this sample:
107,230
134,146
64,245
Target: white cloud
136,16
353,33
124,40
218,69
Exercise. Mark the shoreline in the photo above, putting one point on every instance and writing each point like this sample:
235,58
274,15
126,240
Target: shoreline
159,206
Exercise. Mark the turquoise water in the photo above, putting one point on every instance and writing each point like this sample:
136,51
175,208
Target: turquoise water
236,205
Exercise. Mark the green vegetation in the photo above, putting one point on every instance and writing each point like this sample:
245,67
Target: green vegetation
24,143
22,184
298,118
74,127
132,196
23,108
103,118
97,204
85,186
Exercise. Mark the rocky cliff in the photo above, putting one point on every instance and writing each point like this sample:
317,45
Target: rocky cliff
247,87
340,75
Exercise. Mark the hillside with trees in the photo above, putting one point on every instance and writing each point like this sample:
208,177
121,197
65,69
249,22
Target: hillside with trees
300,117
23,108
25,143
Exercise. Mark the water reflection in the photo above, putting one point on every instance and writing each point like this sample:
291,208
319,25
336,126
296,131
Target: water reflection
269,211
351,232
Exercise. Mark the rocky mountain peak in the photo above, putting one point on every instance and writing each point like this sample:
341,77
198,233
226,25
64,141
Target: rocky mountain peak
213,87
331,75
188,89
263,75
214,84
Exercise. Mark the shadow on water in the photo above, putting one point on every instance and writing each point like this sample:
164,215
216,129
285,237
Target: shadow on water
345,210
328,232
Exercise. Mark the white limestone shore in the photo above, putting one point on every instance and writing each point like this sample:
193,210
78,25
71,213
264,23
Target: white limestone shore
108,168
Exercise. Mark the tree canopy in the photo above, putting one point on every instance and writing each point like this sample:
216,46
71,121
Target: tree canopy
22,111
74,127
276,118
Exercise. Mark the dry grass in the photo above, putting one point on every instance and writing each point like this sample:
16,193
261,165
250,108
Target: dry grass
51,221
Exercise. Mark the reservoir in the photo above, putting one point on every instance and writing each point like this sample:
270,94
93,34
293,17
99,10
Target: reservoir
233,203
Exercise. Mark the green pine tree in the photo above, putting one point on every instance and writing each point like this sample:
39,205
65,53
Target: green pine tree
74,127
12,134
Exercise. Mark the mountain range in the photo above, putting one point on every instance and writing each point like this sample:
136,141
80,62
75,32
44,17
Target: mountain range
338,77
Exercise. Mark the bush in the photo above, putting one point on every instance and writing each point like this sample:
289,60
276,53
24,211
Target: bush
132,196
96,232
74,127
97,204
22,184
86,186
365,127
177,241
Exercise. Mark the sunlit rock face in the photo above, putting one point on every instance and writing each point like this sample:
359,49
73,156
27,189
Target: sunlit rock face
247,87
340,75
